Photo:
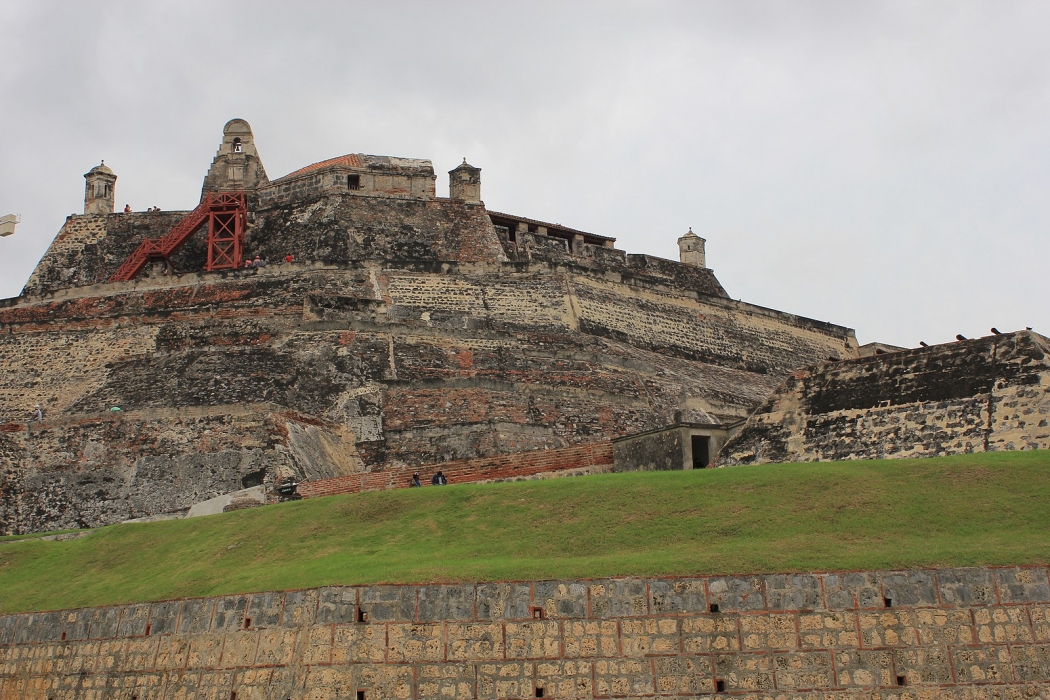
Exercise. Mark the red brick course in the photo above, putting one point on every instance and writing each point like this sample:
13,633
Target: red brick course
508,466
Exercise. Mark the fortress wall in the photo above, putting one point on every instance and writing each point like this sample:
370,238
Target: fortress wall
959,634
402,365
351,228
89,248
591,458
99,469
333,180
734,335
987,394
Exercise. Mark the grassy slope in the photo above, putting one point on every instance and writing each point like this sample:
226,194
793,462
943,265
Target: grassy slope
967,510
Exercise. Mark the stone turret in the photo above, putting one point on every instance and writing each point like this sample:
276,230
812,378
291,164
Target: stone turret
99,190
691,249
464,183
236,165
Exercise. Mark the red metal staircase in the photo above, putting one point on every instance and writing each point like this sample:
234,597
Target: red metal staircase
224,212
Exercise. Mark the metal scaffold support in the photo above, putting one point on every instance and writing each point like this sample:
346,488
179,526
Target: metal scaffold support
226,216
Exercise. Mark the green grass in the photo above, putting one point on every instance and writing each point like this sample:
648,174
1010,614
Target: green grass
987,509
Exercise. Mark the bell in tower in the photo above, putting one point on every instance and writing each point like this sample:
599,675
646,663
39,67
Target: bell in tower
236,166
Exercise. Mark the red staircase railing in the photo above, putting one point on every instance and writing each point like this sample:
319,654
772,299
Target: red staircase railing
224,212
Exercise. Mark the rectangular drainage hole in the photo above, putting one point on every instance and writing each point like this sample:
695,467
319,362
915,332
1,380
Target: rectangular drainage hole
901,680
539,692
888,602
360,695
538,613
247,622
63,637
720,686
148,628
362,616
713,608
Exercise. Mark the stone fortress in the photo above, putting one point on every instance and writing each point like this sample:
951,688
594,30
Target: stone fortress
413,332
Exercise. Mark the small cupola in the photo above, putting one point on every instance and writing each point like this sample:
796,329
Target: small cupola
464,183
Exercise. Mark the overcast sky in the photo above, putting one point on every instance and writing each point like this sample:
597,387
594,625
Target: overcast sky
881,165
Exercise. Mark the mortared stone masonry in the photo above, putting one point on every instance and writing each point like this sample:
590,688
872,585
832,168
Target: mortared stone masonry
956,634
410,331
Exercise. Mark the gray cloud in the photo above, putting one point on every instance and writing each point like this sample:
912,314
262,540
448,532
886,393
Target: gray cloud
881,165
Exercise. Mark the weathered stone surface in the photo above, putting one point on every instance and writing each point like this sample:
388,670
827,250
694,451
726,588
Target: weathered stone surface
309,644
987,394
410,330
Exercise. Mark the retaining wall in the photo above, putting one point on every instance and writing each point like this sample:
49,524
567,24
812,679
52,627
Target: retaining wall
950,633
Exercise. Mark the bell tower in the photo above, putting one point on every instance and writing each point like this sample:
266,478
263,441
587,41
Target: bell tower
99,190
236,166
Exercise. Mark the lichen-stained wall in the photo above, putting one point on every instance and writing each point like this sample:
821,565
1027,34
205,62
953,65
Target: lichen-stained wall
93,469
986,394
88,249
960,634
406,363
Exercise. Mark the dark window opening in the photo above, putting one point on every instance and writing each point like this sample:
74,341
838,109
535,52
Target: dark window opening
713,608
701,455
539,692
253,479
353,182
538,613
236,145
901,680
888,602
247,622
512,233
362,616
360,695
532,228
720,686
63,637
233,695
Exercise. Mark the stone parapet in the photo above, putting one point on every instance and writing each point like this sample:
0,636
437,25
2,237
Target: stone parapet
946,633
983,395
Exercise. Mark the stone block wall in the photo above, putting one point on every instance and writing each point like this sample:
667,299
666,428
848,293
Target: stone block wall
92,469
386,367
892,635
88,249
982,395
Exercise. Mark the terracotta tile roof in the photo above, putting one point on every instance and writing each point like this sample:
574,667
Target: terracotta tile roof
351,160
